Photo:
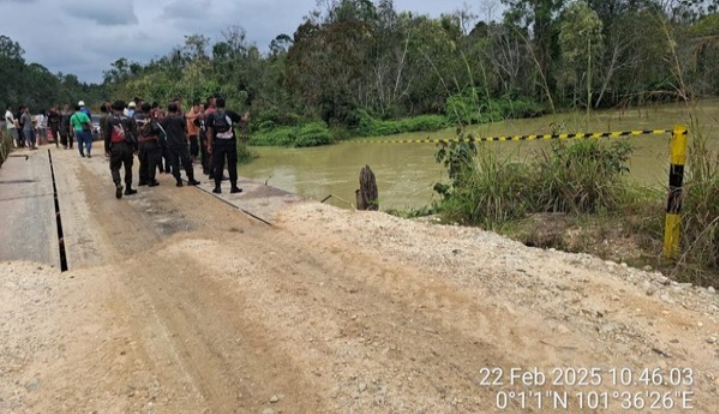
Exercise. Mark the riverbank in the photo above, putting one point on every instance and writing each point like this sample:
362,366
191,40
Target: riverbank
576,197
458,110
406,173
614,208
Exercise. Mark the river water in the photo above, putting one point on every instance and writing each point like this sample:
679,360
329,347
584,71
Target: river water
406,173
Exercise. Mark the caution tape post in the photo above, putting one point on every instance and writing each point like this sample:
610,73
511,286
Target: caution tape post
672,225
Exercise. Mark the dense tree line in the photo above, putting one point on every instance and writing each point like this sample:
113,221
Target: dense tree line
31,84
356,65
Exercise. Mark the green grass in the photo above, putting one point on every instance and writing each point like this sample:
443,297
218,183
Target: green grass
700,211
489,190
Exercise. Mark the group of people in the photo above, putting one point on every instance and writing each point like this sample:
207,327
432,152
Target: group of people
162,140
64,125
155,135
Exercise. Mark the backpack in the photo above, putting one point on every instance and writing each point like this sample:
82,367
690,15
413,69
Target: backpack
118,130
223,125
144,126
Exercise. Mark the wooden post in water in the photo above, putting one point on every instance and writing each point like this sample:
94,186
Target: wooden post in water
367,194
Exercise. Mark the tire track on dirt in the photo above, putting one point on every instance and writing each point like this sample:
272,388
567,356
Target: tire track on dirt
196,324
239,312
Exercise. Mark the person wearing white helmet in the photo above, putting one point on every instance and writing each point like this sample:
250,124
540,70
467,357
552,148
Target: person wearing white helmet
84,109
130,110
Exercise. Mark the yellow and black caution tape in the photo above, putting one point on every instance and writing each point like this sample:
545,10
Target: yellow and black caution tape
578,135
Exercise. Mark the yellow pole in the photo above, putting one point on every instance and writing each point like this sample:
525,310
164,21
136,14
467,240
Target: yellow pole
672,227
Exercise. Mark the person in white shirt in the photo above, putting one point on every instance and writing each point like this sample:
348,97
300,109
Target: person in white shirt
11,125
41,127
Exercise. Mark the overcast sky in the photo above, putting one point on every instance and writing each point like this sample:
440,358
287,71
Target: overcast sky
85,36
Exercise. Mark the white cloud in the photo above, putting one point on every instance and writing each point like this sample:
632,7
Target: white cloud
109,13
186,10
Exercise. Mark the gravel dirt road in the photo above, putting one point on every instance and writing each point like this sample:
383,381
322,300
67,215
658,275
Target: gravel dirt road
178,303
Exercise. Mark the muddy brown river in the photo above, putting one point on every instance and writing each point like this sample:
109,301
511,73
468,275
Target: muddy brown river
406,173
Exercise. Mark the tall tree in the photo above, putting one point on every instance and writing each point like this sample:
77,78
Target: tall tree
582,45
538,17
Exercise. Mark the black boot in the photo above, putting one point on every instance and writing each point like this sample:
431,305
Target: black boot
130,191
217,190
235,189
118,191
178,183
191,179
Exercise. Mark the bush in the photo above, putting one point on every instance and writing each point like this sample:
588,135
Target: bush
371,127
484,190
283,136
468,108
313,134
582,177
270,118
700,212
308,135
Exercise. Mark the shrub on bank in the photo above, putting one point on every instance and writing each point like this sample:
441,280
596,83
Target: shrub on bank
281,137
582,177
700,210
371,127
468,108
308,135
313,134
317,133
487,192
463,108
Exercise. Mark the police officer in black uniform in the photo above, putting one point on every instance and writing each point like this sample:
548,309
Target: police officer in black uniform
222,143
175,127
120,147
148,137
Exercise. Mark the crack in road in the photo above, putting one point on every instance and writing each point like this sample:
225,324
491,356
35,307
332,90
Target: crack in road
60,235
